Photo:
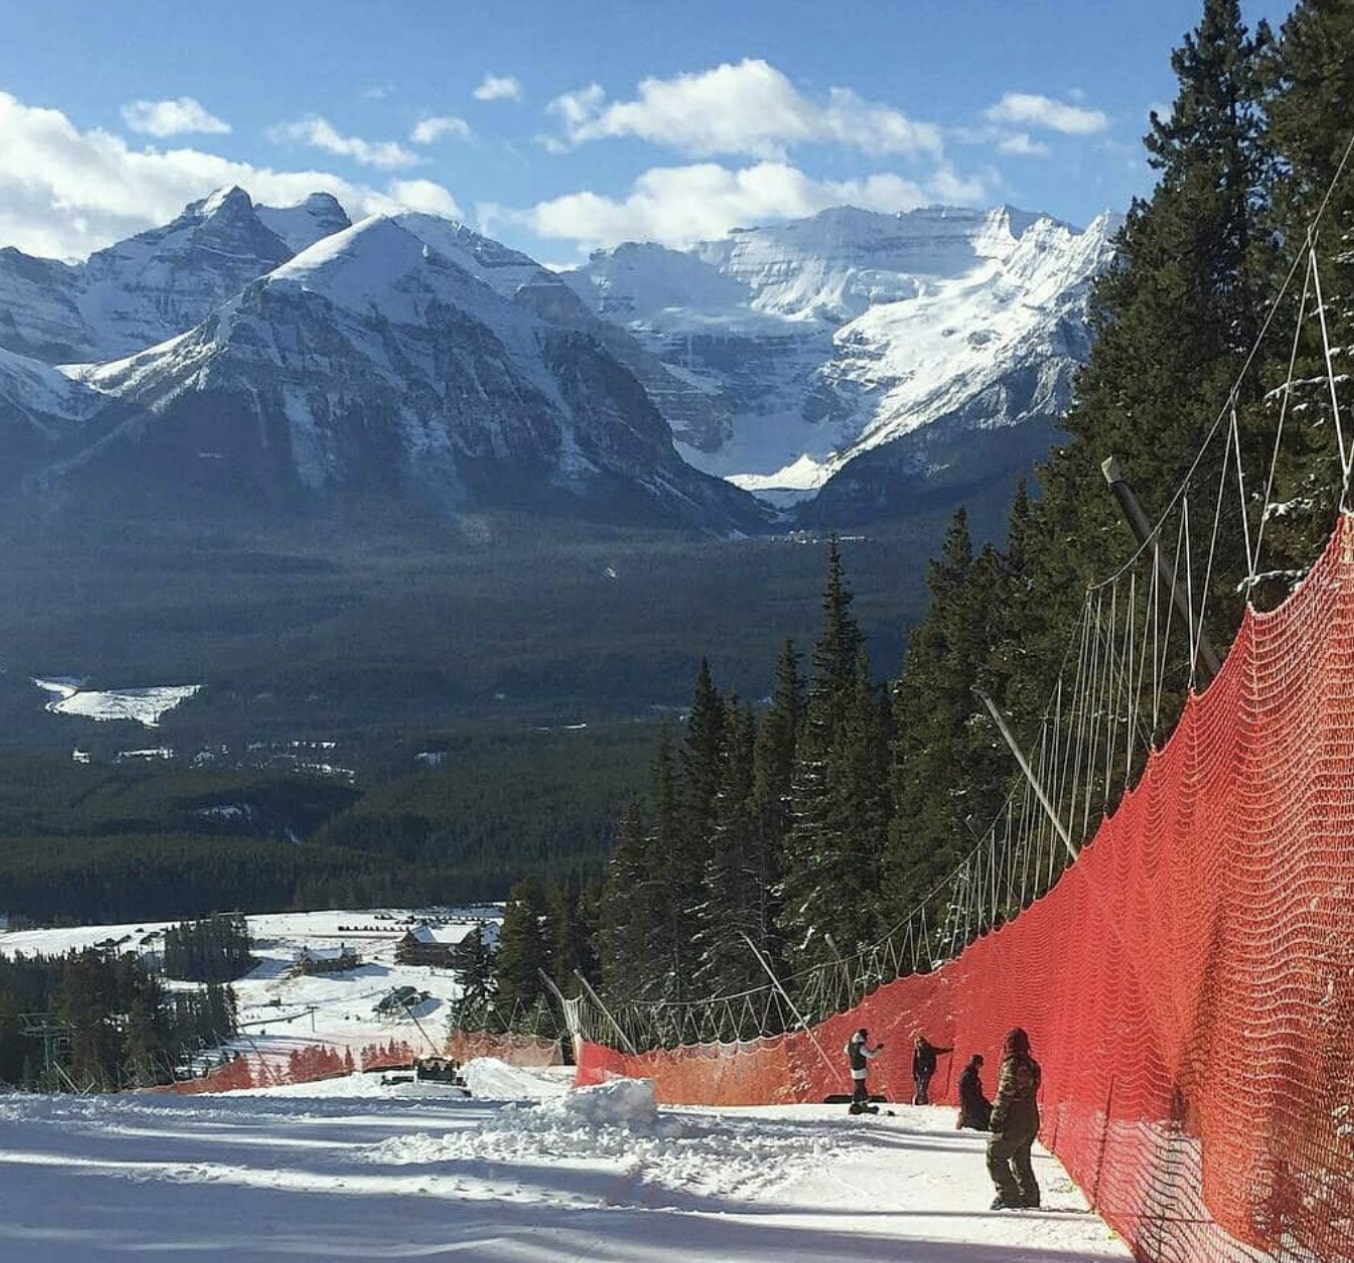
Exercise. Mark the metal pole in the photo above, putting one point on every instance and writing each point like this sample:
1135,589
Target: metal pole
615,1025
1143,532
799,1017
1029,773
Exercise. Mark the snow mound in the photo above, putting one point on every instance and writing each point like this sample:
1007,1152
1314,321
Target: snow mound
620,1103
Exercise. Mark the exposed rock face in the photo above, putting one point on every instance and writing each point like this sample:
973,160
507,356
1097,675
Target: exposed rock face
823,340
155,285
376,362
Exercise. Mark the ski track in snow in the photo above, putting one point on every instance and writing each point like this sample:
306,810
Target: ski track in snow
351,1170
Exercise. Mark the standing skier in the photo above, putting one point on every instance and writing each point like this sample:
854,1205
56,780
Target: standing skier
1015,1124
924,1054
860,1054
975,1110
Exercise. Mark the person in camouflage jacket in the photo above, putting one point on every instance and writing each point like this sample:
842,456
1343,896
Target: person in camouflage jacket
1015,1124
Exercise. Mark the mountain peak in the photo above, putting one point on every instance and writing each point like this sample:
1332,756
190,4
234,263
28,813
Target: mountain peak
229,202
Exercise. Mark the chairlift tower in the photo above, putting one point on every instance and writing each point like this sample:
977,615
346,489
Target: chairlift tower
55,1036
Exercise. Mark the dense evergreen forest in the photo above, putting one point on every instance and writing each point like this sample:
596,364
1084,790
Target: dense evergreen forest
105,1019
815,824
432,712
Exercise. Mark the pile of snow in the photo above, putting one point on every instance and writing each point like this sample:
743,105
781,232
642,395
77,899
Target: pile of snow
620,1103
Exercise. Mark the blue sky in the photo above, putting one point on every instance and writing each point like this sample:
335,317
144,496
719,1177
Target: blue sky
560,127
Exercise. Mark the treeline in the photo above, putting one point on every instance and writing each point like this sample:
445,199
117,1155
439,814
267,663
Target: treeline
812,827
91,1020
212,950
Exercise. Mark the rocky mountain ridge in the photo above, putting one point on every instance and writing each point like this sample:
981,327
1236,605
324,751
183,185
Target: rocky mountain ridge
852,333
852,362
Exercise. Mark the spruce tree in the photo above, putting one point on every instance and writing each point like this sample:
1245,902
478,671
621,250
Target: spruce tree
472,960
821,890
736,875
522,954
947,773
628,912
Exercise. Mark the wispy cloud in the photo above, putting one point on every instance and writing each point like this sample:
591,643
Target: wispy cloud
1023,144
320,133
171,118
678,206
745,108
377,92
65,192
1029,109
428,130
499,88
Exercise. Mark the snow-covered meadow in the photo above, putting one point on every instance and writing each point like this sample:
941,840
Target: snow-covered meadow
527,1171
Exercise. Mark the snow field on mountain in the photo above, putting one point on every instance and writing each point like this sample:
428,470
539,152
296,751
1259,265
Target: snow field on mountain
351,1170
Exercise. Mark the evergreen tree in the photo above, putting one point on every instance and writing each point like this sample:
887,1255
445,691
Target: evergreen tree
1174,317
948,774
737,874
571,932
523,953
12,1044
628,912
824,889
472,960
1309,74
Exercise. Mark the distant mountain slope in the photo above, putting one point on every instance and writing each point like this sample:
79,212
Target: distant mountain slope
853,332
156,284
44,417
379,362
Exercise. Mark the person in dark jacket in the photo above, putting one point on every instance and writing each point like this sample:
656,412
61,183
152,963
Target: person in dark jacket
860,1054
924,1055
1015,1124
975,1110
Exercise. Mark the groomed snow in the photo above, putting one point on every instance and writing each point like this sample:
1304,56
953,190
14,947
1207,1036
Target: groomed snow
351,1170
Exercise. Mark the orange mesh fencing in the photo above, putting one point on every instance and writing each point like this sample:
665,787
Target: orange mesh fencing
515,1049
1188,984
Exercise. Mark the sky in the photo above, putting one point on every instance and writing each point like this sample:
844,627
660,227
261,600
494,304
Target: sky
560,128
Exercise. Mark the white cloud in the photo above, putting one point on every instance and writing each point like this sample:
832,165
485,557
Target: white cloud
377,92
499,88
748,108
170,118
319,132
1029,109
428,130
65,192
1023,144
678,206
422,195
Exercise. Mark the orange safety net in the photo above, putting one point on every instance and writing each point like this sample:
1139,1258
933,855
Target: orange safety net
1188,984
515,1049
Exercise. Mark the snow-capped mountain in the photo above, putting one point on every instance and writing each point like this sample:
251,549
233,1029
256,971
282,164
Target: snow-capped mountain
855,359
156,284
937,344
405,356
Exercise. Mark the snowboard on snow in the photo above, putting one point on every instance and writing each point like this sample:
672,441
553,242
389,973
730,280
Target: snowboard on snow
845,1098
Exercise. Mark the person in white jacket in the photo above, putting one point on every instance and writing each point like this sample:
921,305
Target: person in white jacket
860,1054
